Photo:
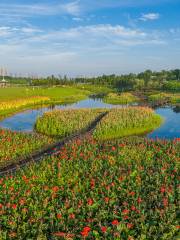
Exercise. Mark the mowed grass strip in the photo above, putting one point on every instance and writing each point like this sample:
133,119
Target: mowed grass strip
60,93
62,123
127,121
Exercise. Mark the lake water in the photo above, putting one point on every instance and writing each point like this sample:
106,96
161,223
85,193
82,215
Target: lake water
24,121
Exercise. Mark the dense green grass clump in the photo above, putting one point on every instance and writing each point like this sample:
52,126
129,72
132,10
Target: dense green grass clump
127,121
15,146
61,123
173,98
123,98
115,190
96,89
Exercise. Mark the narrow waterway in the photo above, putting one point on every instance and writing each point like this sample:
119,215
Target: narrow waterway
24,121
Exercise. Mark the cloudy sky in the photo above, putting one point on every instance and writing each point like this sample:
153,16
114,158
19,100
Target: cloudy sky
89,37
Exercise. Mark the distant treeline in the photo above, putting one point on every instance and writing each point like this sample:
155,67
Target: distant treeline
164,80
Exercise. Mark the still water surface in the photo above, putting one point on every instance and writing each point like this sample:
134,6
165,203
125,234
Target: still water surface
24,121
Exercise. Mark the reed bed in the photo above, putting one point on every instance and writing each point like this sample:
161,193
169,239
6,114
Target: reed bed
127,121
122,98
172,98
62,123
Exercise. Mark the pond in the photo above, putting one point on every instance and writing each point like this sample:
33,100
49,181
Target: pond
24,121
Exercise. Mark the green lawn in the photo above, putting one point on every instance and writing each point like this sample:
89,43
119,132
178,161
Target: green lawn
55,93
10,96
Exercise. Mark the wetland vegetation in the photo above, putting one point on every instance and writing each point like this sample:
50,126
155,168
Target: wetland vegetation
106,185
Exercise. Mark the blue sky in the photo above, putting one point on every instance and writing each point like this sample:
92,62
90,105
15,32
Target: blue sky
89,37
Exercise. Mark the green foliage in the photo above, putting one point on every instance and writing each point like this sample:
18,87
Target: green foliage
62,123
172,86
15,146
115,190
127,121
121,98
173,98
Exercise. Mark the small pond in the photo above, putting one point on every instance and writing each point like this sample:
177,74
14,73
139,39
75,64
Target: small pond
24,121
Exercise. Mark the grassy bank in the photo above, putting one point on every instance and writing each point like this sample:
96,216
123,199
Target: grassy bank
127,121
115,190
95,89
173,98
21,98
121,98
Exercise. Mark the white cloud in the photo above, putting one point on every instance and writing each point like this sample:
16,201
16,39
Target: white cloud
30,10
150,17
72,8
30,48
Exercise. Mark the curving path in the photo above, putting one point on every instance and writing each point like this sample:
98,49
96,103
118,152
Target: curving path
52,149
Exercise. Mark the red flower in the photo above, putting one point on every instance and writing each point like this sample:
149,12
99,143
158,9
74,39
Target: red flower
130,225
125,211
133,208
1,205
165,202
113,148
85,231
22,201
14,206
125,217
163,189
103,229
115,222
131,193
139,200
55,189
90,202
106,199
72,216
59,216
92,183
121,145
84,234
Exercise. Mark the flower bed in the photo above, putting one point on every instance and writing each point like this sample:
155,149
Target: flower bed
15,146
116,190
62,123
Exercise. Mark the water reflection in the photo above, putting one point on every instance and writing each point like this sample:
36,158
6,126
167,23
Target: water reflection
171,127
24,121
176,109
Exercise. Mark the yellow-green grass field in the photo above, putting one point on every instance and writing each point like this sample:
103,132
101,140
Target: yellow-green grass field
121,98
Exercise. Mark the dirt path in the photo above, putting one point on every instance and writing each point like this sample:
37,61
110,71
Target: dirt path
37,156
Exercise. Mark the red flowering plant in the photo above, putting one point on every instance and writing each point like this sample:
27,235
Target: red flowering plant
91,191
